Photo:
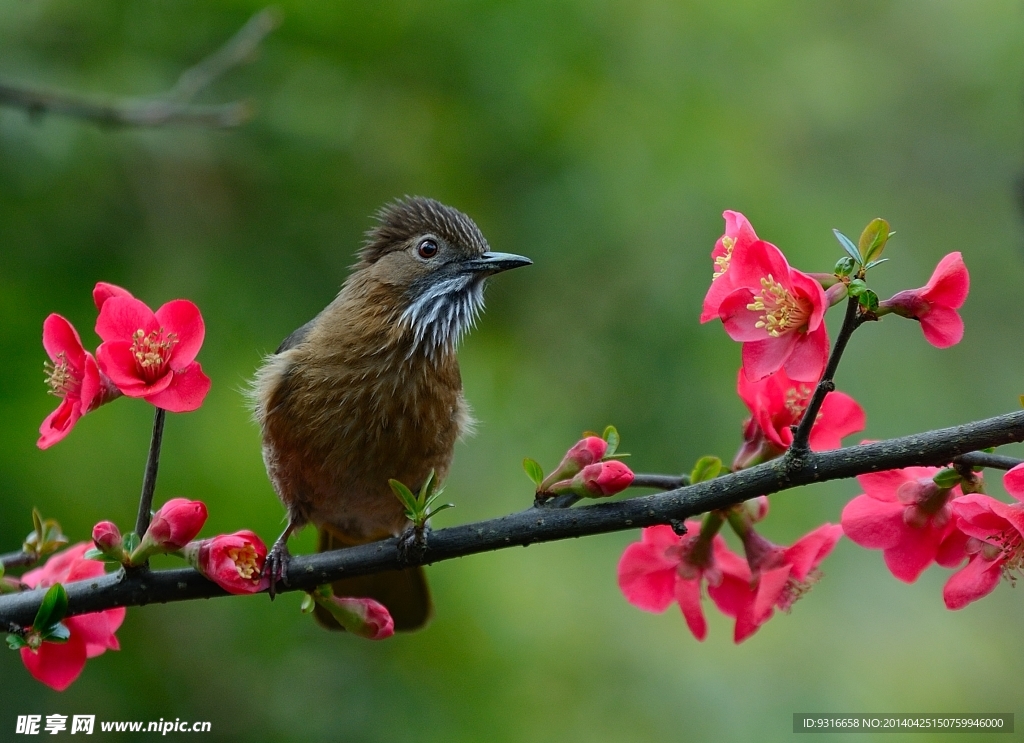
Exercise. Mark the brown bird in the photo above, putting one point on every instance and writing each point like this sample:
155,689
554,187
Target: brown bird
370,389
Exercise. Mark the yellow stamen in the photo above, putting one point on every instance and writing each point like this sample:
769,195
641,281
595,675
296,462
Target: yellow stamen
152,351
245,559
722,261
61,378
782,312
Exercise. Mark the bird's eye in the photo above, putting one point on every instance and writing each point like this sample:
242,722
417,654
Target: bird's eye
427,248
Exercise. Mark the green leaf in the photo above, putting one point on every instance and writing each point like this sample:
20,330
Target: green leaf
869,300
94,554
873,239
52,609
57,633
707,468
308,604
875,263
856,287
130,542
16,642
428,487
612,437
533,471
405,495
845,266
848,246
37,524
442,507
947,478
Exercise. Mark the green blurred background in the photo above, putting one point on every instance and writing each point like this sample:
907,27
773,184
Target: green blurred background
603,139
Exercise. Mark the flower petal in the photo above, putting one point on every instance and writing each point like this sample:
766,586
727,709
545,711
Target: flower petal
942,327
949,282
806,553
120,317
59,423
687,593
1013,481
764,357
872,523
104,291
647,577
182,318
117,361
56,664
977,580
185,392
809,355
915,551
840,416
59,336
739,322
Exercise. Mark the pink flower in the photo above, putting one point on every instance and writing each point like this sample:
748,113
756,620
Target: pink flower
232,561
739,235
773,577
107,538
363,617
152,355
935,304
104,291
664,567
776,403
777,313
907,516
994,536
59,664
74,377
584,452
172,527
597,480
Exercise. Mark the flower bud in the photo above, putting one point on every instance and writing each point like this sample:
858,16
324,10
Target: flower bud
173,526
363,617
585,452
107,538
232,561
597,480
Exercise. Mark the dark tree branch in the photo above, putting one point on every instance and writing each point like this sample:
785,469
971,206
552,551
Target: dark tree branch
534,525
19,559
149,478
662,482
851,321
174,107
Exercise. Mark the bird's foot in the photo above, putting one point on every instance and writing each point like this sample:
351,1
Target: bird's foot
412,544
276,565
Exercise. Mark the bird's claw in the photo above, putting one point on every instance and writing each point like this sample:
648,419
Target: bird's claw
276,566
412,544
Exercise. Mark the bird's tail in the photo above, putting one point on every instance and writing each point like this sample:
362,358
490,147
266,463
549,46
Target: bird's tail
403,592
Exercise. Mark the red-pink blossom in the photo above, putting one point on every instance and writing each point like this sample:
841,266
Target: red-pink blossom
104,291
772,577
72,375
664,567
597,480
232,561
776,403
739,235
935,304
59,664
362,616
994,542
584,452
777,313
173,526
907,516
152,355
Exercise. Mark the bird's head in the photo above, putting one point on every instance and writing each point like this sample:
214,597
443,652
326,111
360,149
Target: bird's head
433,261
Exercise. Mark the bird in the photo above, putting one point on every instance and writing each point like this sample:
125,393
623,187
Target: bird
370,390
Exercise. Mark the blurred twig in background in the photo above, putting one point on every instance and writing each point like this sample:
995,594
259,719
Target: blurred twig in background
175,106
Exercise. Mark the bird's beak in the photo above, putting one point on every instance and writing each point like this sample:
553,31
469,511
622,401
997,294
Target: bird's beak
495,263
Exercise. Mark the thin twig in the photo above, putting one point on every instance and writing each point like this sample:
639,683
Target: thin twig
174,107
662,482
534,525
801,438
19,559
984,459
149,478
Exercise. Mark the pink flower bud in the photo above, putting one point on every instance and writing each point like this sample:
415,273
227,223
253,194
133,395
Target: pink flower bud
758,508
935,304
173,526
232,561
597,480
363,617
585,452
107,538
